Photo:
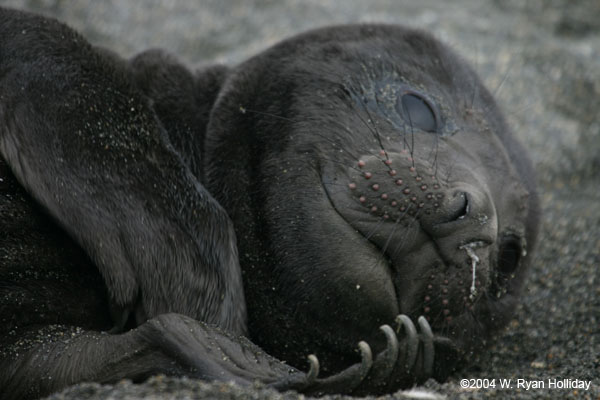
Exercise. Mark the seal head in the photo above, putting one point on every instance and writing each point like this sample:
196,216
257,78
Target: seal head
369,173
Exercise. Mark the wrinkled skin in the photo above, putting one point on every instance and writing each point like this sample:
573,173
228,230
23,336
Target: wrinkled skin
364,176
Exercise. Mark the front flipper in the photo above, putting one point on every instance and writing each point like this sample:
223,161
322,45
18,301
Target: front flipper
169,344
176,345
394,368
87,145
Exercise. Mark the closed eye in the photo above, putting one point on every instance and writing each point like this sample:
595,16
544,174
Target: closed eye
417,112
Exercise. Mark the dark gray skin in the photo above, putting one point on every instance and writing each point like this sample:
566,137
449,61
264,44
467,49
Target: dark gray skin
375,191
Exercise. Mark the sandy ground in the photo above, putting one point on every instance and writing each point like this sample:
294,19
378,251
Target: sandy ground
541,58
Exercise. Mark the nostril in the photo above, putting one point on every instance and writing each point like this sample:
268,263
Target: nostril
464,210
458,208
509,255
458,214
509,259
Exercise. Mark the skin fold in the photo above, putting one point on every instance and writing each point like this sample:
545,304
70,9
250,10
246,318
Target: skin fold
352,193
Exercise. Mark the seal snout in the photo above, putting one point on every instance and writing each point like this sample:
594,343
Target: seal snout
391,187
466,215
436,233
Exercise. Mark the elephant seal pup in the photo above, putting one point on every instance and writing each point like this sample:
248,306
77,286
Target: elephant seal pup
369,174
343,183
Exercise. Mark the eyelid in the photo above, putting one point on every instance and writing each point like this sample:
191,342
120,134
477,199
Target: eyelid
428,102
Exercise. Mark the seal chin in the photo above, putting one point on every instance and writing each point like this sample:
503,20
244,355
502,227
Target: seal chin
475,311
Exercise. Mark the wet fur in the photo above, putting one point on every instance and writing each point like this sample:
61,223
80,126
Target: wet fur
189,157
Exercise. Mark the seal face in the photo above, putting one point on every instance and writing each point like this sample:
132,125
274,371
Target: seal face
377,177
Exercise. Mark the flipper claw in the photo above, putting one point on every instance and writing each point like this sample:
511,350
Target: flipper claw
412,341
428,348
366,359
391,368
313,372
348,379
386,360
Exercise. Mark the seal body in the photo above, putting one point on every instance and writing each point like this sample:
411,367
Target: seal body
342,181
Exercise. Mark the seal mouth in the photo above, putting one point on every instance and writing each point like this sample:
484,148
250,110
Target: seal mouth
461,267
405,302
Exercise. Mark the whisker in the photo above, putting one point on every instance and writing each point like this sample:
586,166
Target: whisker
244,110
377,135
396,223
375,229
408,230
340,162
496,91
336,144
